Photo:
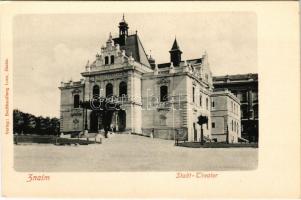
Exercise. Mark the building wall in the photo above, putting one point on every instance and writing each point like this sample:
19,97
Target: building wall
225,117
163,118
195,109
71,119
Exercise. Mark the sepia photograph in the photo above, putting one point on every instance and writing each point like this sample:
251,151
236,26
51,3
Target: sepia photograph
150,99
135,92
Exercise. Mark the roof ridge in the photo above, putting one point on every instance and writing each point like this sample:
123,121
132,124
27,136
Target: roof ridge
139,42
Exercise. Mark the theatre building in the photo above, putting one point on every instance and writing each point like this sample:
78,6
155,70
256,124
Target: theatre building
156,99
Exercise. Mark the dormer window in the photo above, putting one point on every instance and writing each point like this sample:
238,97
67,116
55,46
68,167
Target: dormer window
112,59
106,60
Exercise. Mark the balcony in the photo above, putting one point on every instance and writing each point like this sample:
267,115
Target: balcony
165,105
76,112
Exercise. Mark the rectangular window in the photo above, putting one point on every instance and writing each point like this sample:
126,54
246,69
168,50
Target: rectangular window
255,96
213,124
76,101
201,100
163,93
193,89
213,104
244,96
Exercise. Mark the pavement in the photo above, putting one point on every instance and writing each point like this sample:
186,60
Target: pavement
125,152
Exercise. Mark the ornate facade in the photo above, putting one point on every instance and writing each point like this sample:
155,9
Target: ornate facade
156,99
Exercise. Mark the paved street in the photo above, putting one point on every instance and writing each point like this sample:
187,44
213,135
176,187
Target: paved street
131,153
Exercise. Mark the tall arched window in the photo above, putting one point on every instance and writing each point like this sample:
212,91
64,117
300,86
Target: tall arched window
123,89
106,60
112,59
109,90
95,91
163,93
76,101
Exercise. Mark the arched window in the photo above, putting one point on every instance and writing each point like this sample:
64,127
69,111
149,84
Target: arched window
207,102
109,90
163,93
95,91
123,89
232,124
106,60
112,59
76,101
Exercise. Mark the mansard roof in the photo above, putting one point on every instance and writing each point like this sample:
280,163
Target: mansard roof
191,61
134,47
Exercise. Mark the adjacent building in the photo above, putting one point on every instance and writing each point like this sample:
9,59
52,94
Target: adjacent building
225,114
156,99
245,88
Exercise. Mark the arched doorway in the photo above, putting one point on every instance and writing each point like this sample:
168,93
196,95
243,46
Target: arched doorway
93,121
118,123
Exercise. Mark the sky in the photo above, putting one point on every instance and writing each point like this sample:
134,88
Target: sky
50,48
